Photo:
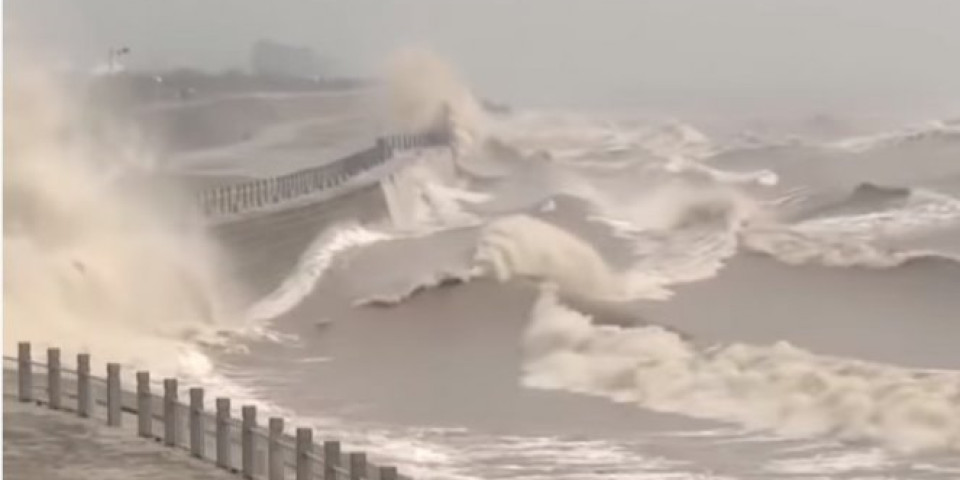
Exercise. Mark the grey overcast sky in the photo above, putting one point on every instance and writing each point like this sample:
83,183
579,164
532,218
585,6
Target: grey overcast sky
557,51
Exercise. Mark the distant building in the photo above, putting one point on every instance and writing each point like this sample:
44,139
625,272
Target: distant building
273,59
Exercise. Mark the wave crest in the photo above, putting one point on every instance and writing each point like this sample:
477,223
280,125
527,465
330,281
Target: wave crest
521,246
313,264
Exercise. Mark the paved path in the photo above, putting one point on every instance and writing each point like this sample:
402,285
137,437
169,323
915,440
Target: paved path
42,445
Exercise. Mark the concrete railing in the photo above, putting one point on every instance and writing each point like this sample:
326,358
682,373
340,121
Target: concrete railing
268,193
239,445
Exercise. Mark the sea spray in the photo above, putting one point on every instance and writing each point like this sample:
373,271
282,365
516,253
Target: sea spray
424,92
92,265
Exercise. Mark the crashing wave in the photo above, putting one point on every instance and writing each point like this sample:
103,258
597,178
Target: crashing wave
521,246
922,211
425,93
933,130
428,193
777,387
796,247
313,264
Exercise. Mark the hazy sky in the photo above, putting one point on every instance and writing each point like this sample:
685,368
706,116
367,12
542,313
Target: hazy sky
560,51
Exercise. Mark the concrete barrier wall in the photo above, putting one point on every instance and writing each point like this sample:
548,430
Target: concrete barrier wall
208,429
269,193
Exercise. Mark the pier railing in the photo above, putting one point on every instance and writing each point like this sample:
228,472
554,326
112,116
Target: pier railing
155,411
269,193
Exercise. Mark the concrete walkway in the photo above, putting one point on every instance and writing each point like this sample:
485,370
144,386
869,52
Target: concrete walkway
39,444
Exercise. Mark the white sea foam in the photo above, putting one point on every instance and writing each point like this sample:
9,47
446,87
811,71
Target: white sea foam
857,240
423,89
777,387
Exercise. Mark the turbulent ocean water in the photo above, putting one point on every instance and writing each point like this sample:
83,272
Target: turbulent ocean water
579,297
572,295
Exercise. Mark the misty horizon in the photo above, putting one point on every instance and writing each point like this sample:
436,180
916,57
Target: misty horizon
813,54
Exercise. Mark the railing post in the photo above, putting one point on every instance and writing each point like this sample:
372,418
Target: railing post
331,459
304,450
144,405
197,440
387,473
223,433
24,372
232,197
171,410
358,466
275,450
247,451
383,150
83,385
114,418
53,378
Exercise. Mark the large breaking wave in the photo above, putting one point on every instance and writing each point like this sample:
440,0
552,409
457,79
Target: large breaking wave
778,387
